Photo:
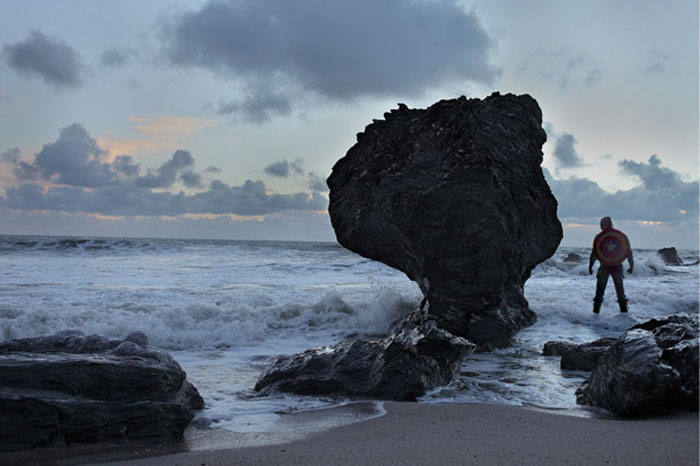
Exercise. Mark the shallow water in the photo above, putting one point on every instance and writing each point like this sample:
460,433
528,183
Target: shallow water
226,308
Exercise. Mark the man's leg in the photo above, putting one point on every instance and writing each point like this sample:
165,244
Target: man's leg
601,283
619,287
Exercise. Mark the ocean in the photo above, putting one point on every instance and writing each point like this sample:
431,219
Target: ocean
225,309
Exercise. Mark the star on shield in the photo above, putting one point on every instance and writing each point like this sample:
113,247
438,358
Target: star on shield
611,246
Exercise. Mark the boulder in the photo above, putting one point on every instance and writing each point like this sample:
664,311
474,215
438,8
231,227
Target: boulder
67,388
403,366
652,367
573,257
453,196
670,256
578,357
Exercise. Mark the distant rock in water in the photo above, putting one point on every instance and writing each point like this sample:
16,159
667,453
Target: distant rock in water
454,196
652,367
403,366
573,257
670,256
69,388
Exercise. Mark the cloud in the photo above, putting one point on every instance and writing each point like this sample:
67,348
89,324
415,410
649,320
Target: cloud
252,198
657,62
653,176
565,154
283,167
662,196
73,159
317,182
114,57
165,175
47,58
191,179
212,169
10,156
340,50
87,184
564,65
259,106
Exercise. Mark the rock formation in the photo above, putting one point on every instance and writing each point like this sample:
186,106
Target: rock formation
67,388
574,357
652,367
454,196
573,257
401,367
670,256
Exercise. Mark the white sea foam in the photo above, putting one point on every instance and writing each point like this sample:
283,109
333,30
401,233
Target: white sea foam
226,308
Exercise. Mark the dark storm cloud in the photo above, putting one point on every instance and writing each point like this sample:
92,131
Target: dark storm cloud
341,49
283,168
191,179
10,156
212,169
565,154
251,198
74,159
662,196
165,175
48,58
114,57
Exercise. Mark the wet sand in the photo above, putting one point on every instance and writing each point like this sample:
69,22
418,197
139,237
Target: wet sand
425,434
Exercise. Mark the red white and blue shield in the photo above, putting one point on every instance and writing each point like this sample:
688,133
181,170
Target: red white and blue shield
611,247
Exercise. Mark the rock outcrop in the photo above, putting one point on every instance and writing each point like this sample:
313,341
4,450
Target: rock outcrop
652,367
574,357
670,256
68,388
573,257
416,358
454,196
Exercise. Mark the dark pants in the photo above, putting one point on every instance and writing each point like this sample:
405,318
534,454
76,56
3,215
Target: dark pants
604,271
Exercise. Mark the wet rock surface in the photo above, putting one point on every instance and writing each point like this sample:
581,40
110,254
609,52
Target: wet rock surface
578,357
68,388
652,367
417,357
454,196
670,256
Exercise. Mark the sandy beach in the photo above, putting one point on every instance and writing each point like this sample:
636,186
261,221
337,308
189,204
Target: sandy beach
424,434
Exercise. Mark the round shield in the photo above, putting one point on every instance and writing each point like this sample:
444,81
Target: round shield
611,247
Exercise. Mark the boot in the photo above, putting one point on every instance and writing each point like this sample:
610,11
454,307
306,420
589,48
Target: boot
596,306
623,304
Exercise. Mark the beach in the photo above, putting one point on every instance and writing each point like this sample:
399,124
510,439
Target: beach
411,433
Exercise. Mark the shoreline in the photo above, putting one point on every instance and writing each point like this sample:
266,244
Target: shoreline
410,433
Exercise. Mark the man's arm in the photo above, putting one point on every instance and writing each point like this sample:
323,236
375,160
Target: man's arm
591,261
630,259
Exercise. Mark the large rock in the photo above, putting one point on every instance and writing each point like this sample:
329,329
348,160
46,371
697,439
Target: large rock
67,388
416,358
583,357
454,196
652,367
670,256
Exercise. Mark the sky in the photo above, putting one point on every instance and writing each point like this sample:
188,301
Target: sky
223,118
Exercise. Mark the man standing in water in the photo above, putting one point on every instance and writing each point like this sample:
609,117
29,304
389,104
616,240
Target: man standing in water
611,247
